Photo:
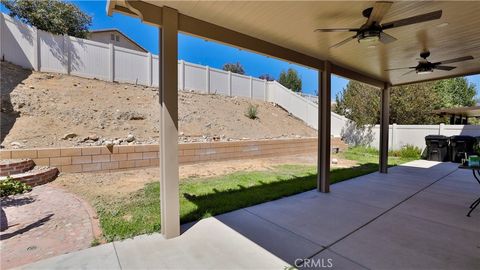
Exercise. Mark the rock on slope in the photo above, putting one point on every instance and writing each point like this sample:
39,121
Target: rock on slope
51,110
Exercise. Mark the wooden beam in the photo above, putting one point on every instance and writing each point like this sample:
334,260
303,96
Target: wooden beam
214,32
150,14
384,127
353,75
324,129
169,174
440,78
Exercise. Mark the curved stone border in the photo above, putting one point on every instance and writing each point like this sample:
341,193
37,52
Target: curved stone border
15,166
92,213
37,176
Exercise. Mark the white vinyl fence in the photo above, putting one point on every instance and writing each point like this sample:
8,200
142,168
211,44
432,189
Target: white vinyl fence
35,49
38,50
401,135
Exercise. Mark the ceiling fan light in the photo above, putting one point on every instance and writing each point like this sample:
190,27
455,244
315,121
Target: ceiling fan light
424,72
369,39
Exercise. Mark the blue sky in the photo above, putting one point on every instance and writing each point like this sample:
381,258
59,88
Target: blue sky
195,50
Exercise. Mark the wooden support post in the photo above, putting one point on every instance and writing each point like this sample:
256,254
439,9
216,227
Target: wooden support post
324,119
384,127
169,178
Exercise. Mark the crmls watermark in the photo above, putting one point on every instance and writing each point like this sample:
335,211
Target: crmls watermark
313,263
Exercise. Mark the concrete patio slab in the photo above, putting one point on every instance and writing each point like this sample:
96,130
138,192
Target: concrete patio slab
209,244
412,218
377,195
337,261
277,240
322,218
441,208
100,257
400,241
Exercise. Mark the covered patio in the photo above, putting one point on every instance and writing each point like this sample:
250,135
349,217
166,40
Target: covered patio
288,31
412,218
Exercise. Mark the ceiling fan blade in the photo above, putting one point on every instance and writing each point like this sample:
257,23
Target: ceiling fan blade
411,71
446,68
413,20
386,38
455,60
390,69
380,8
343,42
337,30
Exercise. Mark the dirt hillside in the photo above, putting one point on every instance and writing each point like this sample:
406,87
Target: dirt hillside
51,110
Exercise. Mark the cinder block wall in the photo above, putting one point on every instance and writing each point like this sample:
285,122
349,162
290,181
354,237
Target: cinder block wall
100,158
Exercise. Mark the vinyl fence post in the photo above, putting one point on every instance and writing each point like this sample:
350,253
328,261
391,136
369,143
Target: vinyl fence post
68,53
36,50
440,128
149,69
182,75
265,98
251,87
229,83
207,79
112,62
394,137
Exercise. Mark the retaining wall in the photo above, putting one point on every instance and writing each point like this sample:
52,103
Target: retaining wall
100,158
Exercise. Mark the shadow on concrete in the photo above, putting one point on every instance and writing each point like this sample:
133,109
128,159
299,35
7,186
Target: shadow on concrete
225,201
288,235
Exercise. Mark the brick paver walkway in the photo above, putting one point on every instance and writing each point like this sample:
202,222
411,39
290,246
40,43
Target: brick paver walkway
45,222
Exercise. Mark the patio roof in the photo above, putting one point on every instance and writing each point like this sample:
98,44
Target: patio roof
285,30
291,25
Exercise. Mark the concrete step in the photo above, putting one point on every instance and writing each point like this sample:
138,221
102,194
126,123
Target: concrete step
15,166
39,175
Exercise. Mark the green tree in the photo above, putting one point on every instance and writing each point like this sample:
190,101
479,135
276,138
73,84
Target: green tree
234,67
456,92
413,104
359,103
291,80
409,104
53,16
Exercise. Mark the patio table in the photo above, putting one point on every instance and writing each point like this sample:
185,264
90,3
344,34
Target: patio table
476,174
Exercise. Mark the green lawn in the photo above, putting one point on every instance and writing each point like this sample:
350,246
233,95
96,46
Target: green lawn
139,213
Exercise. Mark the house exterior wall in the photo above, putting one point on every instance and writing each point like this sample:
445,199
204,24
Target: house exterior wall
105,37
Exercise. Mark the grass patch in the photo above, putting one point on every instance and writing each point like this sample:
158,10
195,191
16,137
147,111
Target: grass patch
363,155
139,212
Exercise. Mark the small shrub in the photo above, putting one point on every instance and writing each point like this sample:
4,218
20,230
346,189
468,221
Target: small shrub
476,148
11,187
407,151
252,111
